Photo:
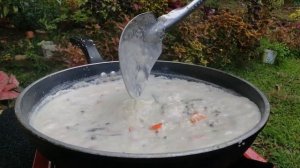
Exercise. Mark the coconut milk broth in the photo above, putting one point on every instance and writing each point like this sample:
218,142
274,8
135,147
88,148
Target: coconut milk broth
172,115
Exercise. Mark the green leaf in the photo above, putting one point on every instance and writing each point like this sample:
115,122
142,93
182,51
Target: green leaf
5,11
58,1
15,9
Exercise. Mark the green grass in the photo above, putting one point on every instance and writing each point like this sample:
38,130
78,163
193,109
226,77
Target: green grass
280,139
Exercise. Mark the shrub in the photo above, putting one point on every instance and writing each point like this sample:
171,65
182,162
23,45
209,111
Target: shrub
270,4
103,10
35,14
273,4
287,33
257,15
139,6
221,39
212,3
297,2
108,38
183,43
159,8
227,39
7,8
51,15
281,49
45,14
186,50
295,15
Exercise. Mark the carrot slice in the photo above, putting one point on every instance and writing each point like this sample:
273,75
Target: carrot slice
156,127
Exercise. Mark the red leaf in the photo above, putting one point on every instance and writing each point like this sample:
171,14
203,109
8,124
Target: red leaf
7,95
7,84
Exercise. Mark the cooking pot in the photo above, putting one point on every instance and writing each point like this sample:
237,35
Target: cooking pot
218,156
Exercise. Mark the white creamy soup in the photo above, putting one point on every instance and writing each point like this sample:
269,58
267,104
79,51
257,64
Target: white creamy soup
172,115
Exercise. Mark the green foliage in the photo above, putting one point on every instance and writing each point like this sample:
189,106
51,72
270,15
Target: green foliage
159,7
273,4
296,2
295,15
54,14
268,4
103,10
281,49
295,53
32,67
28,49
43,14
189,51
7,8
80,16
35,14
212,3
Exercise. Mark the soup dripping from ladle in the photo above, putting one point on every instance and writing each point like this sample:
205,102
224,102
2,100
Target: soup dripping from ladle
141,44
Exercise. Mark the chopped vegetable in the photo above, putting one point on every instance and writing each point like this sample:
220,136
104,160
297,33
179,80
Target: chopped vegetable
196,117
156,127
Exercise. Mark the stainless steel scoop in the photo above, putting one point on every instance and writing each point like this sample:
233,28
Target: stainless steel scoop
141,44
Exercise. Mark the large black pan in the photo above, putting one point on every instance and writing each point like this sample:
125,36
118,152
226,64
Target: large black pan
220,156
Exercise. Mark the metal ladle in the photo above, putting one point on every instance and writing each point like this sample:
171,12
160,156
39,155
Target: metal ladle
141,44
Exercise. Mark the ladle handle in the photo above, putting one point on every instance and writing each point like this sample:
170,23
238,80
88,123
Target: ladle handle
177,15
89,49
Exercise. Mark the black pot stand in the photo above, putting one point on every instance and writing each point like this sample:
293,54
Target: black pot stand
245,162
15,149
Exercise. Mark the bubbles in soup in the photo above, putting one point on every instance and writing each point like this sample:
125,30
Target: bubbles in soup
172,115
